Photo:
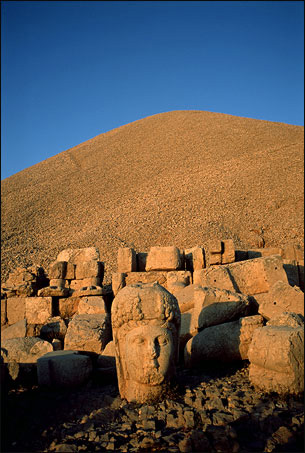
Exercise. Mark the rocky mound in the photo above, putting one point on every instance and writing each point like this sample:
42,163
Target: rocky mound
174,178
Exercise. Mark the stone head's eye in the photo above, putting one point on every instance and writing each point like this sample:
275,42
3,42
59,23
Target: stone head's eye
138,340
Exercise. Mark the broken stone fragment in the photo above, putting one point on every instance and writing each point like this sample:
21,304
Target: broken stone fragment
282,298
224,342
276,359
88,332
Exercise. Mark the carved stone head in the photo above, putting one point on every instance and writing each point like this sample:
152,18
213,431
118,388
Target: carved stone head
145,323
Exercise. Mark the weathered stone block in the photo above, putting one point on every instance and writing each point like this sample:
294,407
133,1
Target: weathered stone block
17,330
91,305
68,307
3,312
118,282
63,369
15,309
76,256
282,298
163,259
57,270
88,333
228,253
214,306
218,276
38,309
89,269
248,277
276,359
127,260
223,343
146,277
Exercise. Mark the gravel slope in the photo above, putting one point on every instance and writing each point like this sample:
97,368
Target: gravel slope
176,178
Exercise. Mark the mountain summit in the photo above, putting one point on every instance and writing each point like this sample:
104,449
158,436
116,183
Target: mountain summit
176,178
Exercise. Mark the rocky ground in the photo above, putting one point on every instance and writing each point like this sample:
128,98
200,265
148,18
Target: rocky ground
215,410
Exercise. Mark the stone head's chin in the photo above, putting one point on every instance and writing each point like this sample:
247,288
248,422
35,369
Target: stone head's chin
151,376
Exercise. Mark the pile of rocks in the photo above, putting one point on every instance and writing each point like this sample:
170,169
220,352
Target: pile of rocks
231,303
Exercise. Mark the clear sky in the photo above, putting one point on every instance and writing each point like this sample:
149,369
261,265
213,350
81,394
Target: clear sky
73,70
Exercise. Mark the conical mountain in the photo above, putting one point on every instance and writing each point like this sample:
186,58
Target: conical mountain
176,178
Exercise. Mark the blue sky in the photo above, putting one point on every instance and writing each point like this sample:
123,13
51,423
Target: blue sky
73,70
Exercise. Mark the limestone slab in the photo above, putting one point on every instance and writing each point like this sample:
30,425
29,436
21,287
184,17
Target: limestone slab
163,259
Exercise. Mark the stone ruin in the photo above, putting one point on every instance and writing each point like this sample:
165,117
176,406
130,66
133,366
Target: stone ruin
211,303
